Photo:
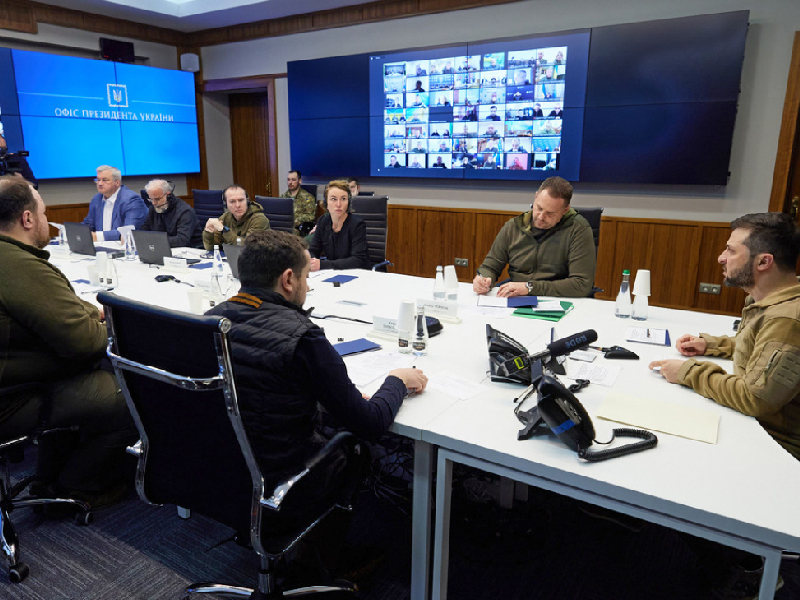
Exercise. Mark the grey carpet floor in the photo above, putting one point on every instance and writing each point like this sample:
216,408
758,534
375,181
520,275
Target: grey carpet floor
545,548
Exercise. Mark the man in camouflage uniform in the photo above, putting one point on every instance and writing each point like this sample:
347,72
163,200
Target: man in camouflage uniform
305,205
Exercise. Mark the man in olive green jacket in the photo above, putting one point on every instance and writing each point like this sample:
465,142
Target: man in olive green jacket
240,219
760,258
549,250
52,338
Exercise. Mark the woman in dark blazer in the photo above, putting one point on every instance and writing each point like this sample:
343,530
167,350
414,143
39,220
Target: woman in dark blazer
340,240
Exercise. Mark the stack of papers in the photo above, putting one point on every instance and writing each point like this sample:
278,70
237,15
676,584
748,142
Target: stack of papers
552,310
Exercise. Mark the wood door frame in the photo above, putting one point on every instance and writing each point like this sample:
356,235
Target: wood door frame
788,142
256,83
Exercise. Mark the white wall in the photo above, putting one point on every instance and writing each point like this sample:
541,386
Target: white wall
766,66
86,44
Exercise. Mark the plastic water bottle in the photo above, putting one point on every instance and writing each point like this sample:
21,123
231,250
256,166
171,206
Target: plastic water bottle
419,342
130,247
217,275
640,307
218,268
623,308
439,291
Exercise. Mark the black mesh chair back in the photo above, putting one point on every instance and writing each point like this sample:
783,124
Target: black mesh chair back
373,209
208,204
279,211
594,216
311,188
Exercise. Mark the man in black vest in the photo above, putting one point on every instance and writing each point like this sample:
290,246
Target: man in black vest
286,368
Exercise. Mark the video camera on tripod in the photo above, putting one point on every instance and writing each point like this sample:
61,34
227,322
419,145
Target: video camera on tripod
10,163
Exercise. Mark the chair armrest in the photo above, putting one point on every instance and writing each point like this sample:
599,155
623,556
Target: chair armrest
135,449
383,265
343,439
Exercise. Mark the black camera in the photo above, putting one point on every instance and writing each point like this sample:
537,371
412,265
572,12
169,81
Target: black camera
10,161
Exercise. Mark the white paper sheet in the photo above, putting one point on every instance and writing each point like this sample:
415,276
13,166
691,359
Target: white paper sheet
674,419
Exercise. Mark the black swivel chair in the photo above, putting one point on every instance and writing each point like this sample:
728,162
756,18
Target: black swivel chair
594,216
373,209
12,451
311,188
279,211
176,373
208,204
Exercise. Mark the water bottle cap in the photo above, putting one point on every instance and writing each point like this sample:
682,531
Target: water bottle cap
626,272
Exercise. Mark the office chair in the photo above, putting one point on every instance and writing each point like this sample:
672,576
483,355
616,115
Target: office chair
594,216
311,188
373,209
12,451
279,211
145,196
208,204
176,374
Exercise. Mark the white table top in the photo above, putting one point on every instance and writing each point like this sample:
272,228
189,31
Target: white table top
746,483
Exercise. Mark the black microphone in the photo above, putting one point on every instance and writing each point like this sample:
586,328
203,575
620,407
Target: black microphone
576,341
557,348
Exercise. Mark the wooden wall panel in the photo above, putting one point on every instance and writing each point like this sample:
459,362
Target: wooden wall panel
668,250
487,227
18,16
712,244
401,240
447,235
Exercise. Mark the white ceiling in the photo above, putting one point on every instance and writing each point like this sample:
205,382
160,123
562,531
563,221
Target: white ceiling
194,15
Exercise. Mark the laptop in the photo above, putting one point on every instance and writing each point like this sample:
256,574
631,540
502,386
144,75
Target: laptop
79,240
232,254
153,246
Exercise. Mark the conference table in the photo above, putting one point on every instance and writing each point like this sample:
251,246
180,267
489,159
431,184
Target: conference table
741,491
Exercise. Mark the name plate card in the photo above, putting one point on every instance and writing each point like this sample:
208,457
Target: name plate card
444,311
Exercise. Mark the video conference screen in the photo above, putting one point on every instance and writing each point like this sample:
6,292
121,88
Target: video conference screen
498,110
74,114
649,102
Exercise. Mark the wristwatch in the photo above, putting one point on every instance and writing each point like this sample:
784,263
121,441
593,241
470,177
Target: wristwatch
529,285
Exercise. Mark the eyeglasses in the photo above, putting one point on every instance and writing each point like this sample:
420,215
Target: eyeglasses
103,180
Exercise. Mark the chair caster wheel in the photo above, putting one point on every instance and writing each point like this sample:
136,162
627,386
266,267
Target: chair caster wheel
18,572
84,518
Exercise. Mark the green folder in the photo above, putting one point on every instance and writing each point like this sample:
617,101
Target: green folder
544,315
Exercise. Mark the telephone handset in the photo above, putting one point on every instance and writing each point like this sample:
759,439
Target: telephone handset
558,411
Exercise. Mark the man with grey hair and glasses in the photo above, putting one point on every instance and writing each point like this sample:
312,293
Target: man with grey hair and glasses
113,206
169,213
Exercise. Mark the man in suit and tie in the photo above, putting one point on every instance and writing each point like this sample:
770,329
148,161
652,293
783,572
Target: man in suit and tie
113,206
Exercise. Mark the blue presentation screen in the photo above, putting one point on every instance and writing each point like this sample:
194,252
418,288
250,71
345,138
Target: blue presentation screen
75,114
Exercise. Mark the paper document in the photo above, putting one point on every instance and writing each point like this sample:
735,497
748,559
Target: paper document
366,368
601,374
453,385
674,419
647,335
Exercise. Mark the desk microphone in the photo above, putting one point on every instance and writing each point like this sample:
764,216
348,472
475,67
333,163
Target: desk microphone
576,341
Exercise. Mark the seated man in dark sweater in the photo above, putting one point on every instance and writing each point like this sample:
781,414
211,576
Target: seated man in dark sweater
169,213
286,369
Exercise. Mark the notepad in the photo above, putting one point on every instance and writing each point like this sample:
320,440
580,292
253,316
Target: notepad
340,278
355,347
647,335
